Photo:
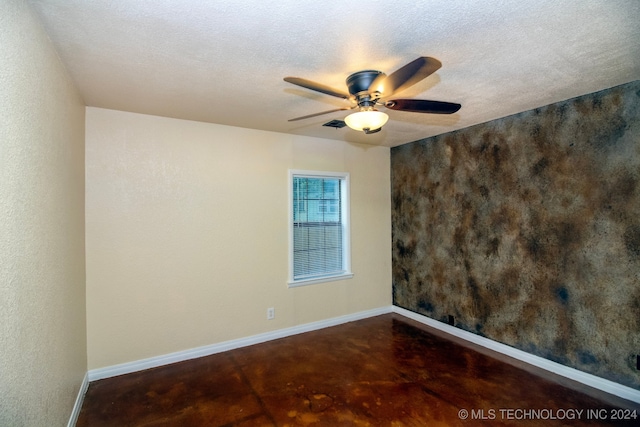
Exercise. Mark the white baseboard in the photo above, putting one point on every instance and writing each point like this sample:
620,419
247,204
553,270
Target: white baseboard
602,384
75,412
590,380
152,362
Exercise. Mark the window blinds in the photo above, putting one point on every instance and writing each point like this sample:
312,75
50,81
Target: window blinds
317,227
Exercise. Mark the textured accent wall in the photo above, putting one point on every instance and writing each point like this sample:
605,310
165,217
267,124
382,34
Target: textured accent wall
526,229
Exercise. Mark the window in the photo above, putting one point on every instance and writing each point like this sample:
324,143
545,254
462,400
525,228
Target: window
318,227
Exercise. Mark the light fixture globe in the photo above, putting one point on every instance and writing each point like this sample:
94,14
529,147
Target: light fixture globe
368,120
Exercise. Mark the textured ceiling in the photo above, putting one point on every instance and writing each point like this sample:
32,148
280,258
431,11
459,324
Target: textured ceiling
224,61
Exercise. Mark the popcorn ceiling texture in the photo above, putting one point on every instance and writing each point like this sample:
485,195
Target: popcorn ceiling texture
223,61
527,230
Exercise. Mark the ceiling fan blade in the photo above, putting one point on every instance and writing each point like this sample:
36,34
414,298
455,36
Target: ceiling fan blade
406,76
423,106
318,114
317,87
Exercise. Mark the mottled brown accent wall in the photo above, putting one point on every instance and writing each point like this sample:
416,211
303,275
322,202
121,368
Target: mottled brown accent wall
526,230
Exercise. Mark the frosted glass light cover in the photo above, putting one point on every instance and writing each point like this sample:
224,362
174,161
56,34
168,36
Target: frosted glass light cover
366,119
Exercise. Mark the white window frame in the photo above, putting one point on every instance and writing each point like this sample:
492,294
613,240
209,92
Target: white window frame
344,219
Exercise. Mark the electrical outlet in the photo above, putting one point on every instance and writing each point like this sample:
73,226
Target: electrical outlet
271,313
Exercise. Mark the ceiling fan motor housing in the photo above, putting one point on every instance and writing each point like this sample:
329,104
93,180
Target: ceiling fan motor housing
360,82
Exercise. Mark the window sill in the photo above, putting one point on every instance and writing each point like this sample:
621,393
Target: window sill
315,280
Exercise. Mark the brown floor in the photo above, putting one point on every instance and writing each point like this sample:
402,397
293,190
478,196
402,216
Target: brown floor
382,371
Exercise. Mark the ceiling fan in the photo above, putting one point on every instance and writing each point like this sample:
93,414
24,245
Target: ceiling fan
369,89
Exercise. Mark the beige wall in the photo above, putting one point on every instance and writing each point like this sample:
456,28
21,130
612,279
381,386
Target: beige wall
42,277
186,227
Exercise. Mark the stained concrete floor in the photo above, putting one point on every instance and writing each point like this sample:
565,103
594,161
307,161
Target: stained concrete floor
382,371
